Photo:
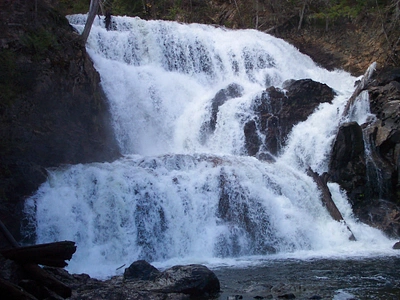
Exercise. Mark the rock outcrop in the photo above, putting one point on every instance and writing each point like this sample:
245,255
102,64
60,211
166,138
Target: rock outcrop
141,270
175,283
233,90
277,111
347,163
52,109
178,282
365,159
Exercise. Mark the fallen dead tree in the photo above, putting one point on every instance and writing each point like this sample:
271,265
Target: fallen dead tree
327,200
52,254
29,258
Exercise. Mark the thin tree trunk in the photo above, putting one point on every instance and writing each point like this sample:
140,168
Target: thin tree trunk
237,8
302,14
94,5
256,14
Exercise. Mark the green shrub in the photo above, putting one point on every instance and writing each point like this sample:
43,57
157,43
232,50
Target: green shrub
39,42
7,75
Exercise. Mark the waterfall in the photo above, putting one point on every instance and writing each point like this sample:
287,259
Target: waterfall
360,112
184,194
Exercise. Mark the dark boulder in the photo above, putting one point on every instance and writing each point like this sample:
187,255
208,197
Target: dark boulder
141,270
380,214
231,91
176,283
287,296
347,163
252,140
277,111
195,280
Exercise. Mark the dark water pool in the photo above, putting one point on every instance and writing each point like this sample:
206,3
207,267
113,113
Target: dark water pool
341,279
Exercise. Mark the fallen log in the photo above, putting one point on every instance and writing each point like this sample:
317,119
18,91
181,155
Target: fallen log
51,254
36,272
327,199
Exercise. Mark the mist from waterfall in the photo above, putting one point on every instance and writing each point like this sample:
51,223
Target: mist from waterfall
181,194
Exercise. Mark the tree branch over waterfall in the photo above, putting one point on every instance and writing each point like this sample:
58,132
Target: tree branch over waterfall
94,6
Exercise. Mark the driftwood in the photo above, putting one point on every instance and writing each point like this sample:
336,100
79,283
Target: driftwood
360,87
21,256
52,254
327,199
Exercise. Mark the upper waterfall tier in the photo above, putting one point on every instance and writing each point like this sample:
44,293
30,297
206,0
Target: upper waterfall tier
160,78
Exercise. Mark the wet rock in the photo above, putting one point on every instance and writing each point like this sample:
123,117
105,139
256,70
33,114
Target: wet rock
231,91
234,297
396,246
277,111
384,134
381,214
176,283
347,163
195,280
252,140
371,178
287,296
141,270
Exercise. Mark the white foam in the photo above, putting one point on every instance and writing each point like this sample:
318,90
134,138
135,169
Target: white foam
175,198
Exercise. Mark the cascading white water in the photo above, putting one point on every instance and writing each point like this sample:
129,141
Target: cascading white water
360,113
177,197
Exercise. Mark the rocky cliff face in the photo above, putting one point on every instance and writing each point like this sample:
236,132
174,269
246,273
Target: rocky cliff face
52,109
365,158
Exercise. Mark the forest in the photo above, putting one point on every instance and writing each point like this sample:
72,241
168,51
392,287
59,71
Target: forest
250,14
